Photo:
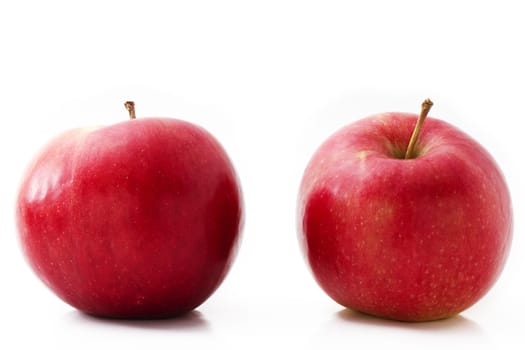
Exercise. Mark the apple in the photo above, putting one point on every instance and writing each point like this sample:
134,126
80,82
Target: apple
140,219
412,233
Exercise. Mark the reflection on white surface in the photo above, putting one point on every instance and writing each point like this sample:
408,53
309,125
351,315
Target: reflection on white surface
347,326
454,324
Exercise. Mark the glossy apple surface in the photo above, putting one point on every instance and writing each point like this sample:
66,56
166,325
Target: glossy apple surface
408,239
136,220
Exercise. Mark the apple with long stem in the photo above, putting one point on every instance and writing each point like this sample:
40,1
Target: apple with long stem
140,219
404,217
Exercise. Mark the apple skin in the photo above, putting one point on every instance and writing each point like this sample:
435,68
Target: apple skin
413,240
140,219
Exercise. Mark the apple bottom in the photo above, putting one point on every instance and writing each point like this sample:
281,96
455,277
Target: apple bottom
146,296
163,283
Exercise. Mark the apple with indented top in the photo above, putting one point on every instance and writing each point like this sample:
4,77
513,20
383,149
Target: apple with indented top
140,219
403,219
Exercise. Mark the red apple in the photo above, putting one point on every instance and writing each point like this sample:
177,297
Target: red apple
411,239
136,220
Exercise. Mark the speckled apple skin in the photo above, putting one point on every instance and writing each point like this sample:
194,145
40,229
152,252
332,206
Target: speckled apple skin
413,240
136,220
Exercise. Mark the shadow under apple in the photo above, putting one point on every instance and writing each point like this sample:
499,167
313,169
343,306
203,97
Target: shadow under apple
191,321
455,323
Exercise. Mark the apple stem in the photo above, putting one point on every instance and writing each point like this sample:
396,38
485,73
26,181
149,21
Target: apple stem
130,106
425,108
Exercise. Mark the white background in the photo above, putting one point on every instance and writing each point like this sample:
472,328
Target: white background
271,80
